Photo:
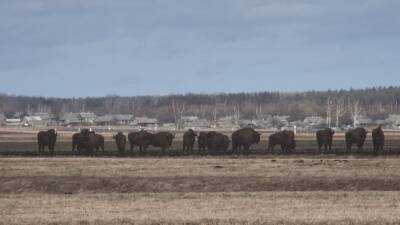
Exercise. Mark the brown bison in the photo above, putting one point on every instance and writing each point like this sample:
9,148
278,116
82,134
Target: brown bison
133,140
245,137
325,138
120,140
87,140
378,139
286,139
162,140
217,142
141,139
202,142
47,138
188,141
77,140
356,136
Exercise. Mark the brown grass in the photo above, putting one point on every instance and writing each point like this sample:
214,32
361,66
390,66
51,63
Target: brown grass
203,208
193,190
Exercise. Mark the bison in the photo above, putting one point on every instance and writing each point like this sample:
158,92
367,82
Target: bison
286,139
356,136
47,138
217,142
188,141
133,140
77,140
141,139
87,140
245,137
378,139
120,140
202,142
324,138
161,140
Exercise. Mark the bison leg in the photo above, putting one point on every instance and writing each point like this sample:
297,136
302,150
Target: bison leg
348,148
326,147
191,150
270,148
247,149
184,149
40,149
320,148
360,147
51,149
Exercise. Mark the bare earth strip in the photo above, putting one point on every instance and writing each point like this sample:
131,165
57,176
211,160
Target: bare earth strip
196,190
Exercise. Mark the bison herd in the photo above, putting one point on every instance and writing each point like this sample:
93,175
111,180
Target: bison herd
212,142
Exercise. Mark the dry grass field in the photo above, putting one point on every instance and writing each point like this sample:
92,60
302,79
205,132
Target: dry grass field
304,188
195,190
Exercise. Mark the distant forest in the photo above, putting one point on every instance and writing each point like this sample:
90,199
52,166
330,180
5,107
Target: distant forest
375,103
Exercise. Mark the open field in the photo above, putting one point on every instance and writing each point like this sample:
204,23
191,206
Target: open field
304,188
200,190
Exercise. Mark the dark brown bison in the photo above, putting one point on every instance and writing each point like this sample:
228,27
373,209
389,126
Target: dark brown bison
78,140
286,139
87,140
47,138
245,138
133,140
189,137
217,142
378,139
141,139
325,138
99,139
120,140
202,142
162,140
356,136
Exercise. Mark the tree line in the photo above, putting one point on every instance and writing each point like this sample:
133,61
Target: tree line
339,106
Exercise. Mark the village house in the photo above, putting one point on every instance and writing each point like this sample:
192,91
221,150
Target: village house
70,119
87,118
145,122
117,119
13,122
45,116
33,121
364,121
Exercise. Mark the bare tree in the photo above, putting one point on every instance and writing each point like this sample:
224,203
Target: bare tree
340,110
329,104
178,110
259,111
236,115
215,112
355,111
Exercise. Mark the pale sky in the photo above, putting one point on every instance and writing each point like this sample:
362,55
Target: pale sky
70,48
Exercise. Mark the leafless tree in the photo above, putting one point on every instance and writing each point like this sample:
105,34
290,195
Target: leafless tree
215,114
355,111
340,110
236,114
329,104
178,110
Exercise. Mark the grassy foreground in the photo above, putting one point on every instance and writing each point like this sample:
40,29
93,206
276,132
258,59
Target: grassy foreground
195,190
